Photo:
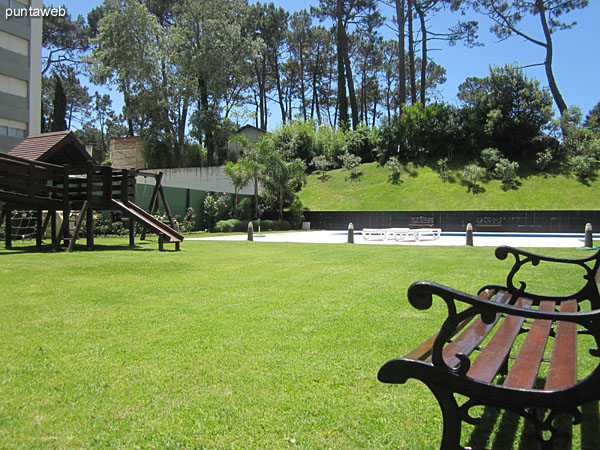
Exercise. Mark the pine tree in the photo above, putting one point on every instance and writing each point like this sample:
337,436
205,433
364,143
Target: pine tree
59,107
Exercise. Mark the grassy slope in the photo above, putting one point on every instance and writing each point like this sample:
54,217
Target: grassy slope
225,345
422,189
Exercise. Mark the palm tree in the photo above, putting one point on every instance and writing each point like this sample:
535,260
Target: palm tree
284,177
239,177
253,162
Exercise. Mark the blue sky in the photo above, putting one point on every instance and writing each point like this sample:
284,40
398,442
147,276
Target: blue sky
576,53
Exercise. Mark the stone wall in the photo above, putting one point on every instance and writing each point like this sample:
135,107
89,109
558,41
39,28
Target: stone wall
126,153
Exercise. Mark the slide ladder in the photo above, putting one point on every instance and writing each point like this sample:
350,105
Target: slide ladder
148,220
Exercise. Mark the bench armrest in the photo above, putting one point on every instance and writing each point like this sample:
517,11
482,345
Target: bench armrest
589,265
421,294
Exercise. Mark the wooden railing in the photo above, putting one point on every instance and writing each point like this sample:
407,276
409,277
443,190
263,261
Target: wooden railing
101,184
32,180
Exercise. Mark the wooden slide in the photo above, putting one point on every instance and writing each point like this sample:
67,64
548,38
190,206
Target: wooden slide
147,220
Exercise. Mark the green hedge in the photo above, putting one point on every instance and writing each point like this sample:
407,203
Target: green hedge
232,225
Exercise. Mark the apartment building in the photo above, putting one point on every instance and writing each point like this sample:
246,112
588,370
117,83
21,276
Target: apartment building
20,73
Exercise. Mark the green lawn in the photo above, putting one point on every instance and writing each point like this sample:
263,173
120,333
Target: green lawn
225,345
422,189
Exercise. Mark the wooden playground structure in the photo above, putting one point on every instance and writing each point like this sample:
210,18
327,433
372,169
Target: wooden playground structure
50,190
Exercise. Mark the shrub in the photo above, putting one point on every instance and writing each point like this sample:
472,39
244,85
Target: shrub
245,209
188,222
358,143
490,156
296,139
507,171
321,163
236,225
349,161
473,174
443,169
213,206
296,213
543,160
394,166
583,166
272,225
330,143
505,109
231,225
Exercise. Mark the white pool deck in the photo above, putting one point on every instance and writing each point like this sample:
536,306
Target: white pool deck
479,239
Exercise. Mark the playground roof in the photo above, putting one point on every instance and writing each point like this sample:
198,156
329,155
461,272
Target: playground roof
59,147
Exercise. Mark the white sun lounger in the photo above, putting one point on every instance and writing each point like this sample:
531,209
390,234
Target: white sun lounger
400,234
417,234
375,234
380,234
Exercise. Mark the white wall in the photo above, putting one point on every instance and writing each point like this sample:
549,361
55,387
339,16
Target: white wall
35,72
198,178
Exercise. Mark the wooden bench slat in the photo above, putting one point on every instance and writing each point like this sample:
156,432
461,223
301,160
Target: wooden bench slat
562,372
524,370
472,336
487,365
423,351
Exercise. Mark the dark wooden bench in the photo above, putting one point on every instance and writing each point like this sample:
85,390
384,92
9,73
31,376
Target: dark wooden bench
507,348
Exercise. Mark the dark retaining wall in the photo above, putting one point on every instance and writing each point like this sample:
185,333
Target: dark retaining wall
483,221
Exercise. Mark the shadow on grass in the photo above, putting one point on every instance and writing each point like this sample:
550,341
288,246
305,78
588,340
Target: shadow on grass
47,248
355,176
474,188
508,432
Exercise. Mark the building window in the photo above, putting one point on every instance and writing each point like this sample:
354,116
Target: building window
3,130
13,86
14,43
16,132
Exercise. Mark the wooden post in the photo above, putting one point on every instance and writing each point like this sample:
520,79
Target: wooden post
89,224
30,170
8,228
153,200
78,224
124,187
106,185
64,229
166,204
131,232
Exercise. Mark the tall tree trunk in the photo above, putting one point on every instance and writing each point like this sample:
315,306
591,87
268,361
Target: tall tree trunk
423,53
351,91
411,54
342,100
208,138
302,85
280,203
181,131
279,89
127,101
235,204
255,205
400,17
558,99
260,78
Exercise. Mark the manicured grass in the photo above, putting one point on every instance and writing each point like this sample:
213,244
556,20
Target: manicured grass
422,189
224,345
